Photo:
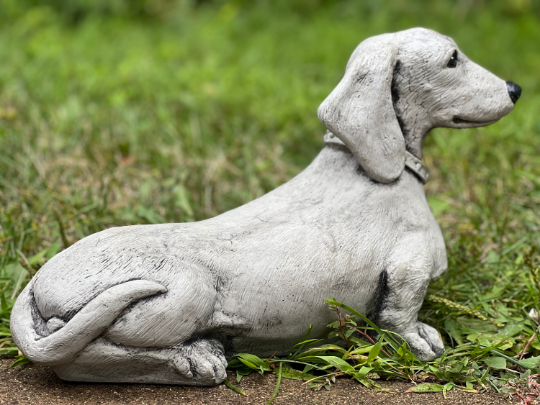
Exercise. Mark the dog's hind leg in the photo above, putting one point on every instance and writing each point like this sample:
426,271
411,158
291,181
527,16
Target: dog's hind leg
200,362
402,288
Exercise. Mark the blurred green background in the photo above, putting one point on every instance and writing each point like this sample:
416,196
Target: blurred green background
116,112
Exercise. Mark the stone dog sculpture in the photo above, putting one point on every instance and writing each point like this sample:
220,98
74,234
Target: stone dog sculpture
166,303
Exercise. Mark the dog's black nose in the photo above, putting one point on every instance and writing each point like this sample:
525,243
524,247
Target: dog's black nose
514,90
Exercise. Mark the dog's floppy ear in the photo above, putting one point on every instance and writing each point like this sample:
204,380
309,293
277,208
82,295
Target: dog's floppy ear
360,112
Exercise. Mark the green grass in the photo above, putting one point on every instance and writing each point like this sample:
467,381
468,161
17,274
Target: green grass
114,113
480,363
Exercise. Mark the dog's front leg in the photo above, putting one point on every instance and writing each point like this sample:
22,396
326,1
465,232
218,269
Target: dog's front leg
402,288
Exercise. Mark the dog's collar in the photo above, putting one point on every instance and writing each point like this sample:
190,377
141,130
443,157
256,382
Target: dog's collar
417,167
411,162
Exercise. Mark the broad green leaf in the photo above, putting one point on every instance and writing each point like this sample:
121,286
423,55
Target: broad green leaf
515,361
490,340
535,343
234,363
316,361
307,368
403,351
530,363
405,354
241,372
503,343
374,352
333,325
426,387
363,350
340,364
495,362
362,372
250,365
253,362
348,333
321,349
510,329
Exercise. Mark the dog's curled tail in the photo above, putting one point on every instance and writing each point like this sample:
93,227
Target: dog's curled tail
63,345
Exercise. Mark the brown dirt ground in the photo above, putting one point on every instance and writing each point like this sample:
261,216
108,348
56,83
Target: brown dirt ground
39,385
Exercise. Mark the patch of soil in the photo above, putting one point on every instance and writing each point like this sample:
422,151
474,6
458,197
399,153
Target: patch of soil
31,384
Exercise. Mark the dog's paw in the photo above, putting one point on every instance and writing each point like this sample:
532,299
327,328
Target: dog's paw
425,343
202,361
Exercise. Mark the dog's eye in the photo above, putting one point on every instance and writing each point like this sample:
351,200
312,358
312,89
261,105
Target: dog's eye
452,63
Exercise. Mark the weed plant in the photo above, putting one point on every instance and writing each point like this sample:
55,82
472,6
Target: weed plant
362,351
116,113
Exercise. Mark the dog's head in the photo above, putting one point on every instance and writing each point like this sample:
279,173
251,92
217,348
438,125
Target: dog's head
399,86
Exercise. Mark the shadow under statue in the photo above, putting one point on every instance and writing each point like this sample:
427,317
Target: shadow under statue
166,303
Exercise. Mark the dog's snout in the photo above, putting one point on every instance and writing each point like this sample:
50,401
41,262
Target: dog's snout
514,90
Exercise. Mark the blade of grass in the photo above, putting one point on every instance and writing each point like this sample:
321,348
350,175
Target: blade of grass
277,385
233,387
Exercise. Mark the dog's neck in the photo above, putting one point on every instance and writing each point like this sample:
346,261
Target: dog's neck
414,135
412,163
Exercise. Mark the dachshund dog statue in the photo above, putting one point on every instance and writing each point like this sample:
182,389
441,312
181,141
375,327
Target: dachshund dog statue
167,303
